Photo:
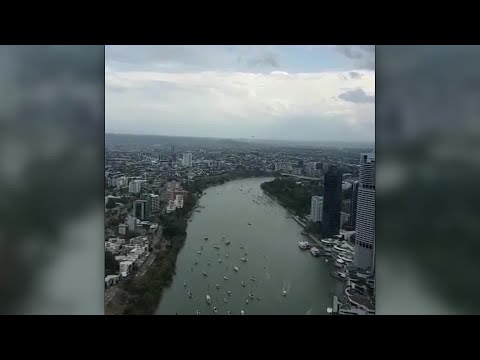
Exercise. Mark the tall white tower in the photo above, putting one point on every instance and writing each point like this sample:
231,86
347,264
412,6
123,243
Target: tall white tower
365,216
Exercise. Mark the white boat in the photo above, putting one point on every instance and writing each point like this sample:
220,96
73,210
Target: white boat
227,242
204,273
225,300
314,251
220,260
259,298
326,260
284,292
303,245
226,255
243,283
229,313
209,301
253,278
199,252
251,296
235,268
246,301
189,294
241,246
242,312
196,262
209,263
184,284
229,293
225,278
215,309
217,247
243,259
216,285
198,312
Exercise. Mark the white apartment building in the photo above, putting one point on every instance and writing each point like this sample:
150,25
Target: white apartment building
316,208
135,186
187,159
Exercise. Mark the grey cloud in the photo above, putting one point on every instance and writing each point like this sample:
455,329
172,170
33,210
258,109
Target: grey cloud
355,75
357,96
364,55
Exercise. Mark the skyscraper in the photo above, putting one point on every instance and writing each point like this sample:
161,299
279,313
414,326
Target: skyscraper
365,219
353,204
332,202
140,209
316,208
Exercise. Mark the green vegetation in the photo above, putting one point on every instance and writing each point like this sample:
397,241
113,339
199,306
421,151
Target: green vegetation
293,196
111,265
199,185
111,203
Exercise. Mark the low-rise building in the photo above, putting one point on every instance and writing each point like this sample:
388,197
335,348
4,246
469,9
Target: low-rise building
111,280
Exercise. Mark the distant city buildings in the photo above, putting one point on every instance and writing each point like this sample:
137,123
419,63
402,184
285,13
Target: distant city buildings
343,218
365,214
316,208
332,202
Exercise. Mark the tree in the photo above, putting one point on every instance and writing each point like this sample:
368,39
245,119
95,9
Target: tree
111,265
111,203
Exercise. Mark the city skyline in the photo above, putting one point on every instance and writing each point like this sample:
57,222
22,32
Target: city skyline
297,93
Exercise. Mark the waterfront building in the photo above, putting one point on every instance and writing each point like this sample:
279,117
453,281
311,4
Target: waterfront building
332,202
365,214
353,204
316,208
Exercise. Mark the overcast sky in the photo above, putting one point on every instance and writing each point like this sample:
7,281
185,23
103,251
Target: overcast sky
312,93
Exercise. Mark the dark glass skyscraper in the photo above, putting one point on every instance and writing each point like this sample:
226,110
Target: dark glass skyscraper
353,205
332,202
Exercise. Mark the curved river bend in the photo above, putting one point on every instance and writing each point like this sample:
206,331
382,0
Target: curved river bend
272,252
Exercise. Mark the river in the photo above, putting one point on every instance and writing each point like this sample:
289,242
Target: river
272,252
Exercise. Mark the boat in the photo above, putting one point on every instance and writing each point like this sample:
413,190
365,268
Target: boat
226,255
215,309
245,254
314,251
252,278
235,268
246,301
227,242
251,296
326,260
243,259
225,300
303,245
242,312
198,312
201,247
199,252
189,294
249,223
205,238
229,313
216,246
226,278
204,273
229,293
284,292
209,263
184,284
220,260
259,298
196,262
243,283
209,300
241,246
217,286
